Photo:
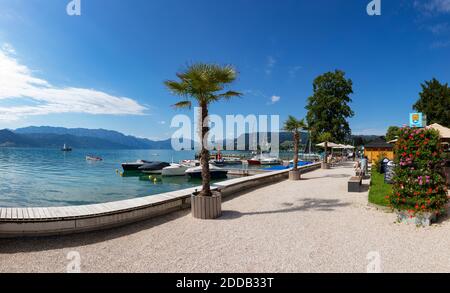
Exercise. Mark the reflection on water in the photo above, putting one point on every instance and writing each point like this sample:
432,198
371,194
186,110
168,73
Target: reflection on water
49,177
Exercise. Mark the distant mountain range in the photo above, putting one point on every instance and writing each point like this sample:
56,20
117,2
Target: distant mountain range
79,138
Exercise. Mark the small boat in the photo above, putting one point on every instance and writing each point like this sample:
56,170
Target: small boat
153,168
271,161
190,163
216,172
66,148
93,158
174,170
232,161
218,162
134,166
256,160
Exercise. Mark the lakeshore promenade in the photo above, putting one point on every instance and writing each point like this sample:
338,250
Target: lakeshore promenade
313,225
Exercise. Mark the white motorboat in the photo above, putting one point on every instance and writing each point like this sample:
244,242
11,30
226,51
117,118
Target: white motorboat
190,163
271,161
232,161
216,172
153,168
174,170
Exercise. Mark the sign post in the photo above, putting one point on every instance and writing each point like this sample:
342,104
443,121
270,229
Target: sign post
417,120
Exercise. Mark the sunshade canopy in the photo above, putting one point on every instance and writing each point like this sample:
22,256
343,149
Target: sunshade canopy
330,145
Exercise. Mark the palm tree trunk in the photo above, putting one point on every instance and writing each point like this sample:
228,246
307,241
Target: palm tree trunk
296,143
204,160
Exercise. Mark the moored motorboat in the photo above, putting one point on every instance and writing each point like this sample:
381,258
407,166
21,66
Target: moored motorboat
216,172
218,162
94,158
256,160
134,166
153,168
232,161
174,170
271,161
190,163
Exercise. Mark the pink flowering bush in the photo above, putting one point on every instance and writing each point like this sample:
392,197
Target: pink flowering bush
419,185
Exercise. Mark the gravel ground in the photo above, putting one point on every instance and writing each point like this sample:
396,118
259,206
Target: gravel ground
312,225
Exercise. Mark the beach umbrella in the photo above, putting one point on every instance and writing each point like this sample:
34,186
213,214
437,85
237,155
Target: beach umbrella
330,145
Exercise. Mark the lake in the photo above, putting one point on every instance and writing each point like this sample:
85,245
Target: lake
48,177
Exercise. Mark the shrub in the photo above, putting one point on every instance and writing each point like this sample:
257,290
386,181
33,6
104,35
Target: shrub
419,186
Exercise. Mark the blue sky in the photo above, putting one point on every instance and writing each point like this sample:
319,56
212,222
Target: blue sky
105,68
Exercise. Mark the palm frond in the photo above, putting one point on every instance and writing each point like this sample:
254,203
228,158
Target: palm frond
229,94
183,104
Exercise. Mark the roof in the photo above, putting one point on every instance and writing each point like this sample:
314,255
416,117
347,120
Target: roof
443,131
379,143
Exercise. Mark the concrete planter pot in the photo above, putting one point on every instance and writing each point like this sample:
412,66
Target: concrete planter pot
325,166
295,175
206,207
422,220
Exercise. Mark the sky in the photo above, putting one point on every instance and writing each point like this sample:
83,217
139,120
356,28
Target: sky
106,68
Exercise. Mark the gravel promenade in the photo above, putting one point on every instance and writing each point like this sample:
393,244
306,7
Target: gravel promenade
312,225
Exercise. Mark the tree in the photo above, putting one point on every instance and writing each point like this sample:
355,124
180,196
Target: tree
434,101
392,133
204,84
328,107
295,126
325,137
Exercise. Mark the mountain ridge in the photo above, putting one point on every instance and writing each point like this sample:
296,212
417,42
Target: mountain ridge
55,137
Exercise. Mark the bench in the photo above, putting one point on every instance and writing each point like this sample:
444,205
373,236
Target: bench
355,184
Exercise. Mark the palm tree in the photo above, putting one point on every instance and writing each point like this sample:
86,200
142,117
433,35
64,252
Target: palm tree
325,137
295,126
204,84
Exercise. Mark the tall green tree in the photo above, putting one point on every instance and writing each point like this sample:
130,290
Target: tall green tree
295,126
328,107
434,101
392,133
203,84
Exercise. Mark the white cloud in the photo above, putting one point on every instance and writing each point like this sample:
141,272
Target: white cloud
270,64
18,84
440,28
293,71
162,122
274,100
433,6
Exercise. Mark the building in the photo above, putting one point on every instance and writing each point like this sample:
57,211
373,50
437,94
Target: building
444,133
379,149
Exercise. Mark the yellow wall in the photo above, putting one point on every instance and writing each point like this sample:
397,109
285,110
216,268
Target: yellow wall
374,154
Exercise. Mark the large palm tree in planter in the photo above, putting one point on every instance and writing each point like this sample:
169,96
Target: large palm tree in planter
325,137
204,84
295,126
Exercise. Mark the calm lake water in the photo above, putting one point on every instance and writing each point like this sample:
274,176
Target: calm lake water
49,177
